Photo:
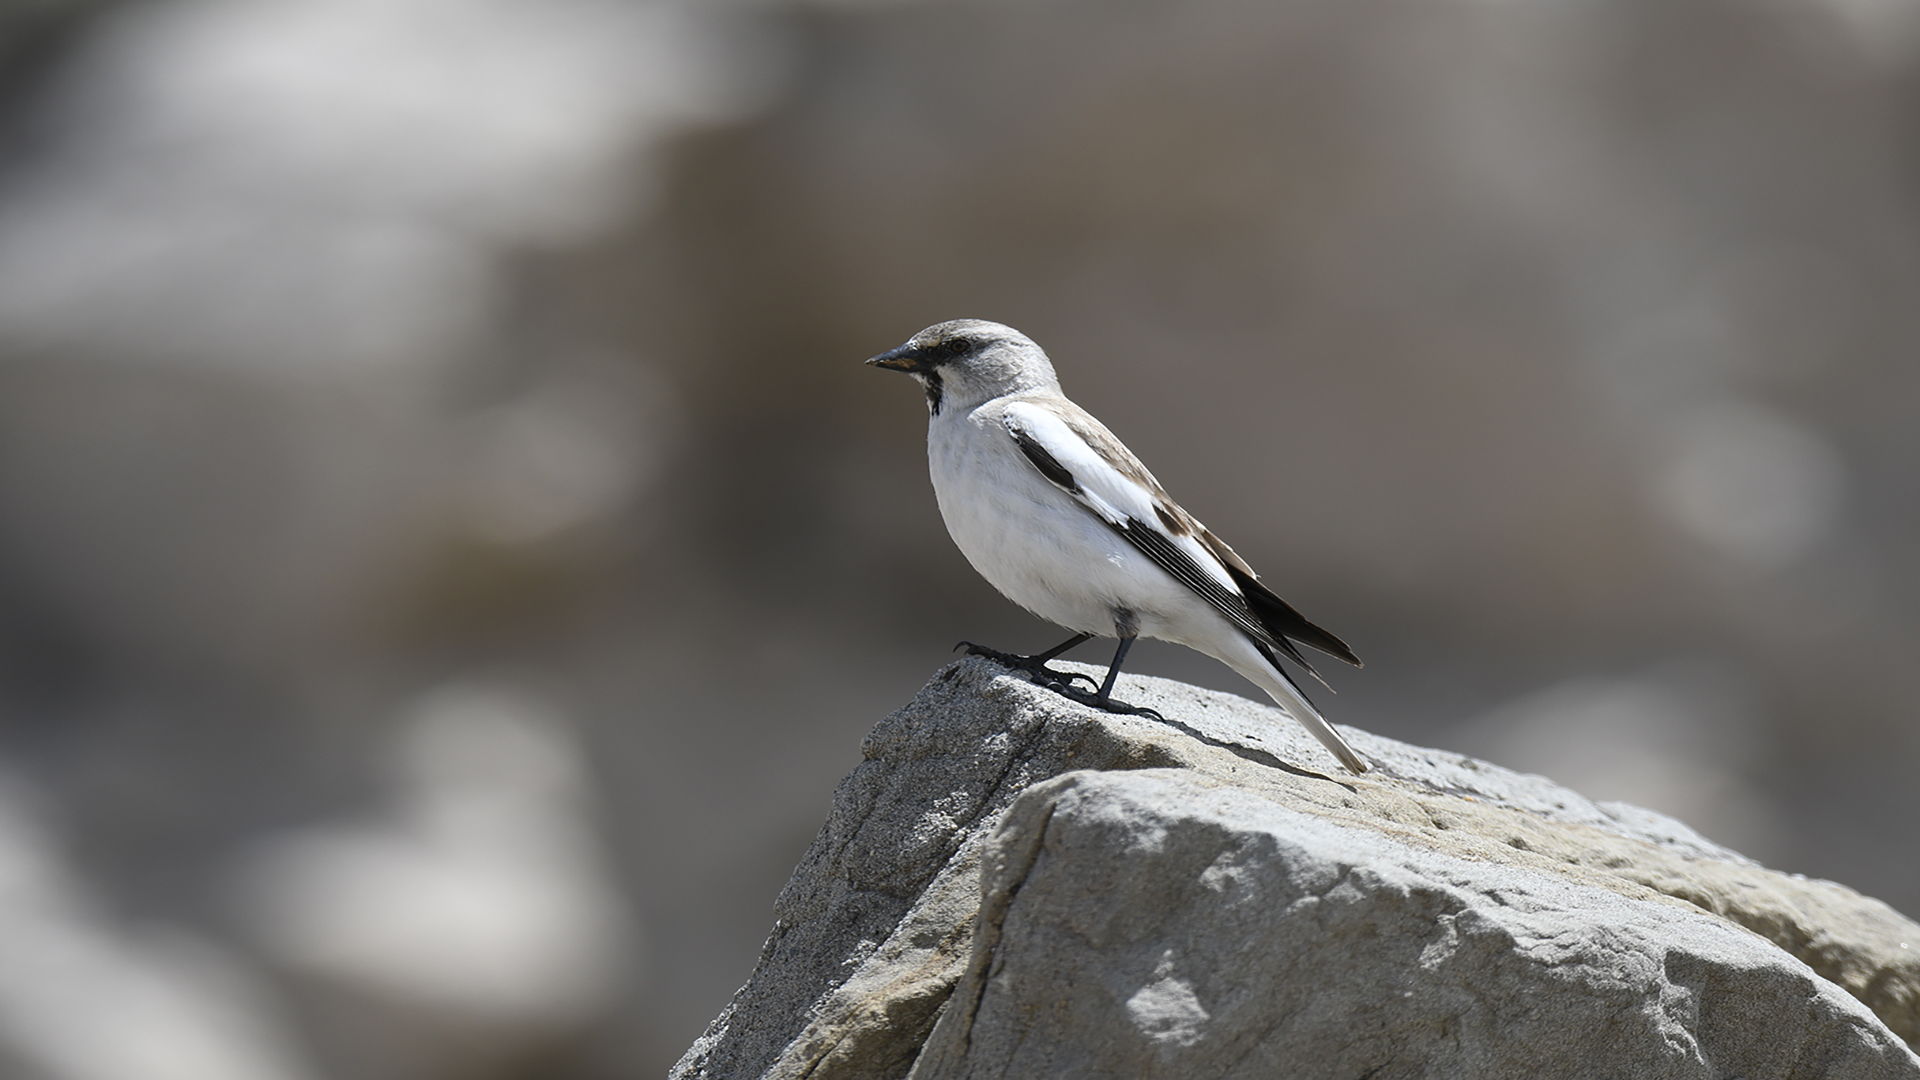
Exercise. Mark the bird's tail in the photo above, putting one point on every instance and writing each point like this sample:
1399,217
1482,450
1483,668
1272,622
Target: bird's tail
1281,689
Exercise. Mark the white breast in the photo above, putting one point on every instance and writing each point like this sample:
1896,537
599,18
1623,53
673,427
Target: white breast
1036,544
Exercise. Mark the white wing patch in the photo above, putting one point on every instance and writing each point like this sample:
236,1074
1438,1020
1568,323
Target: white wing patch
1099,486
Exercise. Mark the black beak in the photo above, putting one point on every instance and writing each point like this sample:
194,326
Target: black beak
909,358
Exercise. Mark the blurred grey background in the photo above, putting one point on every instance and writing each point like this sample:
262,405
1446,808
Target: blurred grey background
450,549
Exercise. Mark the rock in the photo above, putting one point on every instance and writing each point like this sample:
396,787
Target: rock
1212,896
1157,924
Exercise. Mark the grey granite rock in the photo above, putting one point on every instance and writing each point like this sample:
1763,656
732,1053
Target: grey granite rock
1438,916
1156,924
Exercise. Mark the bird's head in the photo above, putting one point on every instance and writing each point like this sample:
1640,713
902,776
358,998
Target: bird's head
968,362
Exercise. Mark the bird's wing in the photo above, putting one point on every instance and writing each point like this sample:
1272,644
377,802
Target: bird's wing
1274,613
1080,456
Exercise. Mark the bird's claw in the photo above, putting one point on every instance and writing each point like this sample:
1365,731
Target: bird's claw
1109,705
1061,681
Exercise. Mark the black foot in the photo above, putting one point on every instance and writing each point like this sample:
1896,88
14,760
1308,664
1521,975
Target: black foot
1109,704
1035,666
1060,682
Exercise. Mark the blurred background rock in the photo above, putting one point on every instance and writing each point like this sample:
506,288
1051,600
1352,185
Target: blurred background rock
449,547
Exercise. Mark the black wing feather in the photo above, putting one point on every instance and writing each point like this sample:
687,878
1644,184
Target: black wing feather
1154,544
1048,465
1280,618
1266,618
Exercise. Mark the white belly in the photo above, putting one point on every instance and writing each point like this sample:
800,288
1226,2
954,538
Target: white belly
1042,549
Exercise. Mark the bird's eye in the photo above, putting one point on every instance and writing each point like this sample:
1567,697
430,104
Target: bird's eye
957,346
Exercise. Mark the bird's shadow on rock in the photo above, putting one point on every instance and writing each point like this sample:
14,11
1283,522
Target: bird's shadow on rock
1246,753
1257,757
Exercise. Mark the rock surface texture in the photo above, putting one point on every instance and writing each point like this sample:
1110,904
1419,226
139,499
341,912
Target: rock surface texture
1011,885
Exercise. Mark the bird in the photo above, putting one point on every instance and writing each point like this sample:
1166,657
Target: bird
1059,516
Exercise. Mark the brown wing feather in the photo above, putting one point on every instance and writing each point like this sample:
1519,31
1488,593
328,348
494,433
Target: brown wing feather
1112,450
1277,616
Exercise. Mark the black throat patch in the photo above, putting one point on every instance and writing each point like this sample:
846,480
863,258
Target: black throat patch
935,390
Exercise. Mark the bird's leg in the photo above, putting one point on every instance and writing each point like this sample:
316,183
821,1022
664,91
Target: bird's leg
1035,665
1113,670
1104,699
1041,658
